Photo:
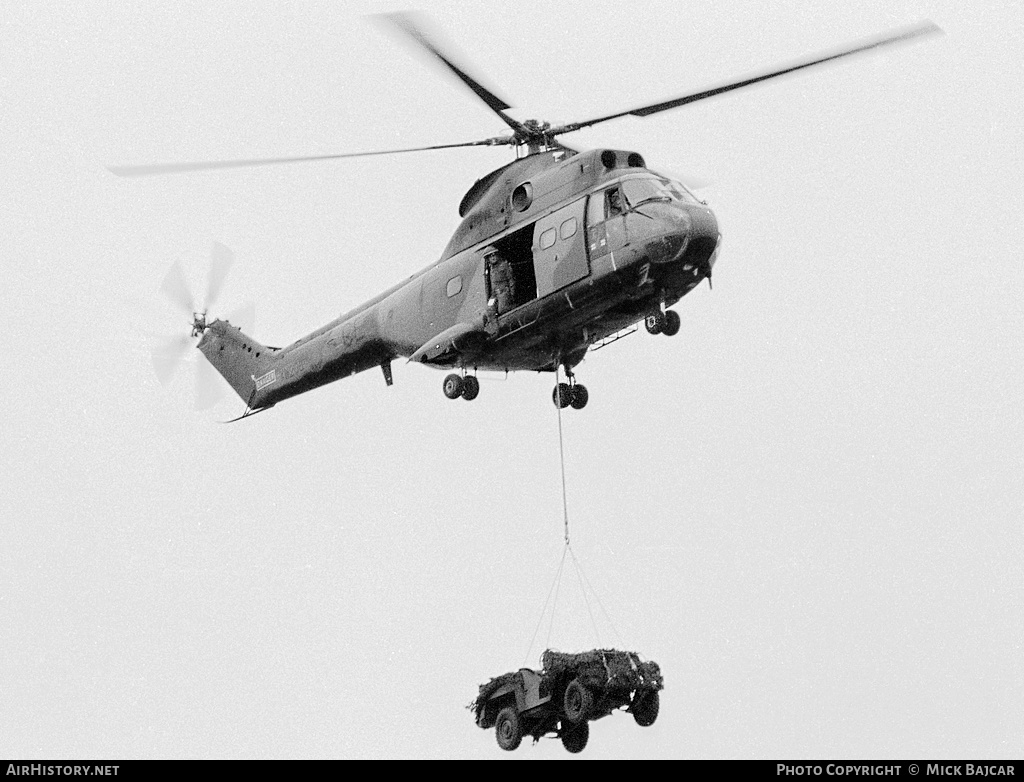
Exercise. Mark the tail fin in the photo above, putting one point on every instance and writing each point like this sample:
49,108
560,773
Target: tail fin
242,361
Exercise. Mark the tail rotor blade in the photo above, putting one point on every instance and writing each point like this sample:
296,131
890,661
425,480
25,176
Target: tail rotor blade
168,355
175,288
244,317
221,259
169,352
209,386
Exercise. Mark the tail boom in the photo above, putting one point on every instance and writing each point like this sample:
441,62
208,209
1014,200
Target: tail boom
263,376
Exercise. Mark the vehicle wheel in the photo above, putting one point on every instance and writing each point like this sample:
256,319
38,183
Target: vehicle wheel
507,729
579,397
654,323
562,395
470,388
672,322
578,701
453,386
574,737
645,708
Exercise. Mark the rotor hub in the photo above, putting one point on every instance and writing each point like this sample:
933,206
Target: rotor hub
535,135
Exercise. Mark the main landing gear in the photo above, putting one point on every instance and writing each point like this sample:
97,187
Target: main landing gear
666,323
468,387
570,394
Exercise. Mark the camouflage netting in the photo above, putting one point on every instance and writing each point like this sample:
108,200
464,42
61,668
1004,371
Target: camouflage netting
486,689
603,669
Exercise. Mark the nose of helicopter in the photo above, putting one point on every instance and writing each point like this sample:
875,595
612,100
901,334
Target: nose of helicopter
689,242
704,238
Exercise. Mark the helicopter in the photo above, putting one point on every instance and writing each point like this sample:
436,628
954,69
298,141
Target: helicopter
558,252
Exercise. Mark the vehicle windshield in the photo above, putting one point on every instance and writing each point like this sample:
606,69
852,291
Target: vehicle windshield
640,190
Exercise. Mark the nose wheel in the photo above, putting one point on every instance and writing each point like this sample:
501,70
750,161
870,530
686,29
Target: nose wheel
666,323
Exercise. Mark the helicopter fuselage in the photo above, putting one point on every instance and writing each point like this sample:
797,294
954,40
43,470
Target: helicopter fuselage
556,252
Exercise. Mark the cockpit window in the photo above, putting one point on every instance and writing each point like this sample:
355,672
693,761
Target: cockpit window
679,192
639,190
613,202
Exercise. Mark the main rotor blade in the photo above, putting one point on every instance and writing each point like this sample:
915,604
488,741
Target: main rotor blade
176,289
407,23
213,165
221,259
901,35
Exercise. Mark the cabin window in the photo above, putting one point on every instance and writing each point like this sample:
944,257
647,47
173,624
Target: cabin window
454,286
568,228
547,239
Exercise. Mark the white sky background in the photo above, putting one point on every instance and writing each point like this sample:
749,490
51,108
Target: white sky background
807,507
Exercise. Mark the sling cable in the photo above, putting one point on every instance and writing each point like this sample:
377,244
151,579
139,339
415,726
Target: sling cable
584,582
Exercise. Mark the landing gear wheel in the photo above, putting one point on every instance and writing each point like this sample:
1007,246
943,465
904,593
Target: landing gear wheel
655,322
562,395
645,708
574,736
578,701
453,386
507,729
470,388
578,397
672,322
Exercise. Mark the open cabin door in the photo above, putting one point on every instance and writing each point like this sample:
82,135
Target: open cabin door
500,283
559,251
508,272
